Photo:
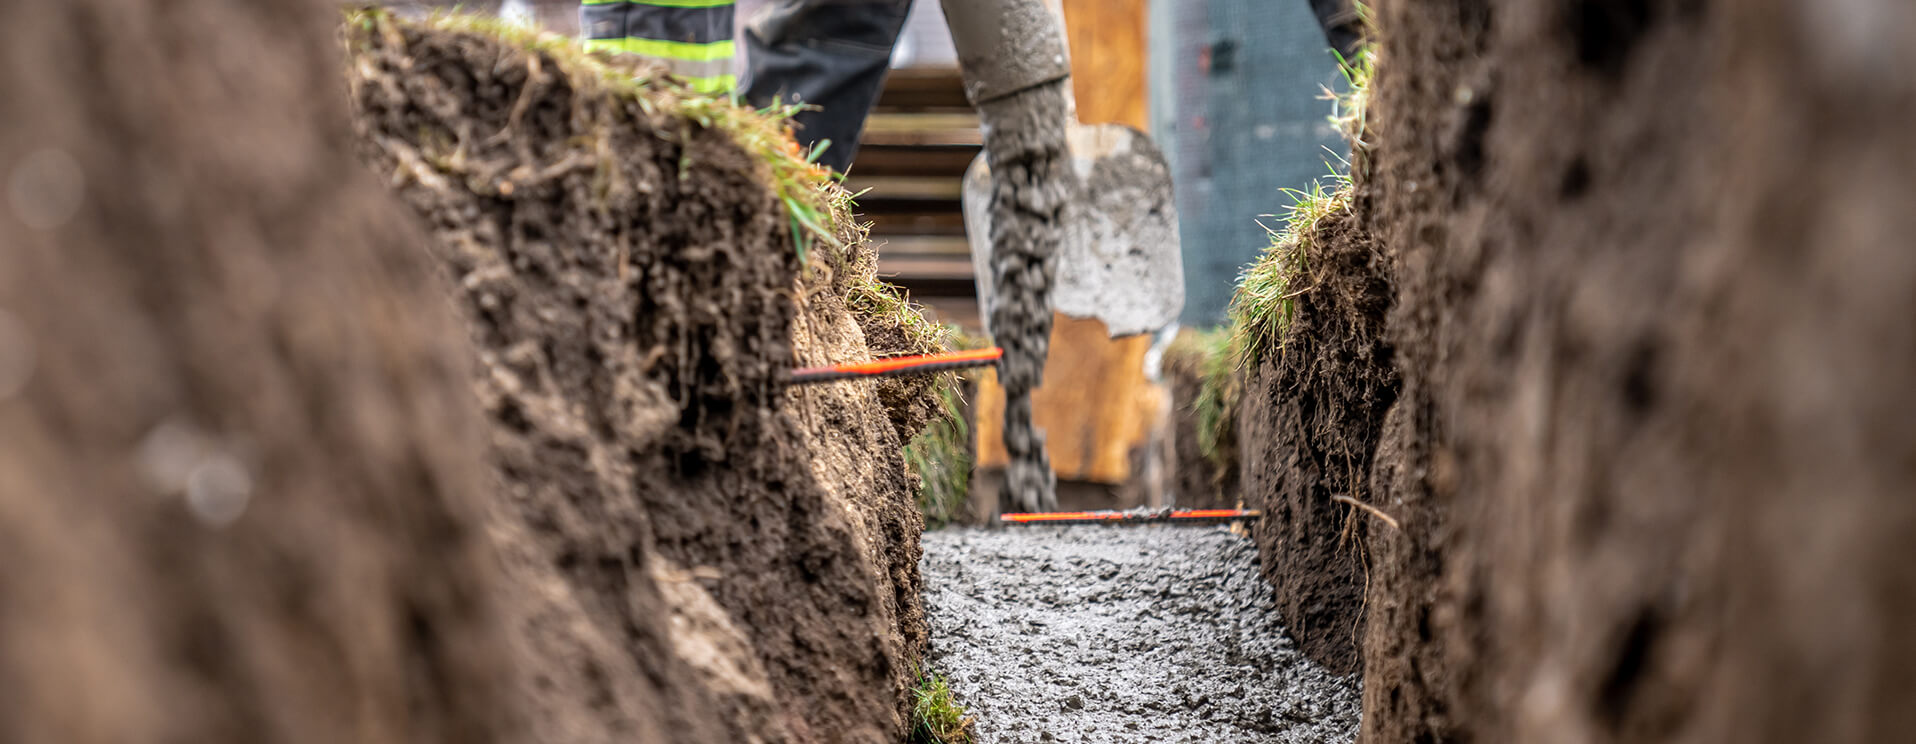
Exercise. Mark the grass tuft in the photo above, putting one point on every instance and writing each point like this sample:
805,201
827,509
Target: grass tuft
936,717
1218,394
941,457
1267,292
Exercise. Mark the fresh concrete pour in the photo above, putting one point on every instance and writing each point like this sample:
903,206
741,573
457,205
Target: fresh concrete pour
1122,634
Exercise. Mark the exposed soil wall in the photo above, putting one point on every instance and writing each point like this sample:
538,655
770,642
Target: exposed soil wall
706,556
1313,408
1652,455
238,456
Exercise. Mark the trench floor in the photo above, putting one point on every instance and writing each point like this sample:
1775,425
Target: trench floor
1122,634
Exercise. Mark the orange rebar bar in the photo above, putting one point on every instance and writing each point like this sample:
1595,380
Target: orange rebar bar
904,365
1175,515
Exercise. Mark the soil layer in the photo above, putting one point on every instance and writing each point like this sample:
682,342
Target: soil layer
704,555
1652,455
239,462
1313,408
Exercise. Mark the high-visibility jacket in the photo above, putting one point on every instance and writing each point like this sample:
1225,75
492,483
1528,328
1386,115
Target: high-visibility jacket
692,37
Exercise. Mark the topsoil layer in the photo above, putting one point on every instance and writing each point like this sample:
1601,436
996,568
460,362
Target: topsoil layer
694,552
1653,453
1313,407
1122,634
239,458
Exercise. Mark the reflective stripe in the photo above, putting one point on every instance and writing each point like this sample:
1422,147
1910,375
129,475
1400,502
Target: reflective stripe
693,68
677,51
714,84
693,38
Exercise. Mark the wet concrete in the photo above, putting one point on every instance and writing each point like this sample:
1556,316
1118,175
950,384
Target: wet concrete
1122,634
1030,186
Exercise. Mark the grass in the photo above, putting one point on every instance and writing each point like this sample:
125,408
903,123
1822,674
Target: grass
807,190
1267,292
1218,394
941,457
936,717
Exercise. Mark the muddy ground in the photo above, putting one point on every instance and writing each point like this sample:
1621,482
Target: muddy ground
1651,454
240,470
1122,634
704,554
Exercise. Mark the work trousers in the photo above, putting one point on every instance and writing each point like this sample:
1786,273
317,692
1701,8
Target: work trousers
692,38
829,53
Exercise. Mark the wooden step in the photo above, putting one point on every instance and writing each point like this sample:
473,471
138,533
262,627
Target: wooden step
922,129
922,246
907,160
905,188
923,88
913,221
903,270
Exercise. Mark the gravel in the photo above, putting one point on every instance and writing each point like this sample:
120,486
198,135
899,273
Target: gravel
1122,634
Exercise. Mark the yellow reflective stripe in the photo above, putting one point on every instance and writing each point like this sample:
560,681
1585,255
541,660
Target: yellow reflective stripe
714,84
604,45
682,50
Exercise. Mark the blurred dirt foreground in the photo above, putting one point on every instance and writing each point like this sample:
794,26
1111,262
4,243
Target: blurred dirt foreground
240,470
247,491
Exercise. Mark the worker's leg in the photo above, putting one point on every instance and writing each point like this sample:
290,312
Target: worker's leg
827,53
693,38
1339,20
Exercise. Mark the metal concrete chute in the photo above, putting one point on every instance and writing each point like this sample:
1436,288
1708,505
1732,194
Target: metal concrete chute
1118,259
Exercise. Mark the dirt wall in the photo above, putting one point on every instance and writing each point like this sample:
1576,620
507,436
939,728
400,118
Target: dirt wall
1652,452
238,457
713,557
1314,402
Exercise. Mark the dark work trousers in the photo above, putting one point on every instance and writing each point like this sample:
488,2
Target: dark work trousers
832,54
1339,21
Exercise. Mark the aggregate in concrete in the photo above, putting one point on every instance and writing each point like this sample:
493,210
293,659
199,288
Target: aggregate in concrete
1122,634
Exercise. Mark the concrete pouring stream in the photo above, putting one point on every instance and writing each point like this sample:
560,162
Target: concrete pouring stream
1122,634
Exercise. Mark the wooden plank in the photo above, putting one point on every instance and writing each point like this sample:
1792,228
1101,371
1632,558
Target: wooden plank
918,221
1108,58
908,269
893,158
923,88
1095,407
920,188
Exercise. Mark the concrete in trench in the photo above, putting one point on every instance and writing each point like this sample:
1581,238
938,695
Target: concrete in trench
1122,634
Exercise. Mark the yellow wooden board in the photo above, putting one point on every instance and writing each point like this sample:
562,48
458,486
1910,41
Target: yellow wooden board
1108,60
1096,407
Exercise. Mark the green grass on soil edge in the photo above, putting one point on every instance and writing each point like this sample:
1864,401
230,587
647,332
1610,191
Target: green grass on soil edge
936,716
1265,300
818,207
